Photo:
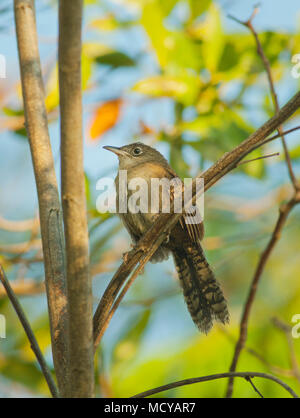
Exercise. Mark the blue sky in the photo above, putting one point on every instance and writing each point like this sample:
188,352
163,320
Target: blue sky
14,152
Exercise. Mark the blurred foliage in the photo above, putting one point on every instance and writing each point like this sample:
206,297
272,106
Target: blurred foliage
216,87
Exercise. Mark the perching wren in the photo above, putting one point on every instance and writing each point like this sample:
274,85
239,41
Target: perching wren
202,292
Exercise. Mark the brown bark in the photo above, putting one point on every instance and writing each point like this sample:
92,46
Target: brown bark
81,373
49,205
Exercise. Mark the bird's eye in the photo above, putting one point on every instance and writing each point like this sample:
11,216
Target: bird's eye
137,151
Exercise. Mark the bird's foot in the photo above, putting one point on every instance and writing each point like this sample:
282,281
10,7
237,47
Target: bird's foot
125,255
167,239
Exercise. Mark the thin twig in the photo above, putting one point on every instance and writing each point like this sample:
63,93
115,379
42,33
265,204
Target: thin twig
267,67
283,214
279,135
248,378
272,367
119,299
258,158
30,335
191,381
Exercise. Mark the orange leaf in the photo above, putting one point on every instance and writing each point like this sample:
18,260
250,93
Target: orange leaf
145,129
106,116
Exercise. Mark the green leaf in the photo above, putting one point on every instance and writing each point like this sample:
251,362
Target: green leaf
167,6
88,192
52,88
172,48
220,132
152,20
294,153
213,38
115,59
109,23
183,88
12,112
230,57
197,7
105,23
13,367
254,168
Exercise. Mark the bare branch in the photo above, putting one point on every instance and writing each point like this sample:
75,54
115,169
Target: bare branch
18,226
272,367
258,158
245,375
22,247
284,213
25,287
104,320
81,372
279,135
49,205
248,378
30,335
267,67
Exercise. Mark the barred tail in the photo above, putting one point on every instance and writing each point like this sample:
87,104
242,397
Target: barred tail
202,292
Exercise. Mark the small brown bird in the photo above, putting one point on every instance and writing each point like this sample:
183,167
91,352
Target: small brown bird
202,292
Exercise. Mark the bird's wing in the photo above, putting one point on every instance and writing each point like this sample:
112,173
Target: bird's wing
194,230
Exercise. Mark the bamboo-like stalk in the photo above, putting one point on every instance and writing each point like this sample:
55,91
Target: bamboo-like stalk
48,197
81,372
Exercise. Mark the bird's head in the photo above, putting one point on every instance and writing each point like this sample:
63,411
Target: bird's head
135,154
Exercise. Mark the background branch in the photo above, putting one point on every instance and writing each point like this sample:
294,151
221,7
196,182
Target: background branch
245,375
17,226
30,335
287,329
25,287
283,215
81,373
49,205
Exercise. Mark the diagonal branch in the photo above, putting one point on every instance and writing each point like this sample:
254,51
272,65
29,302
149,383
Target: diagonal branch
283,215
245,375
30,335
49,205
81,372
159,230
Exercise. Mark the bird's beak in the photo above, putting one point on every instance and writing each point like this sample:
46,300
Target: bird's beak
115,150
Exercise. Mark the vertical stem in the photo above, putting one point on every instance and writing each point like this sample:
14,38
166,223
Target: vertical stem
48,197
81,371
